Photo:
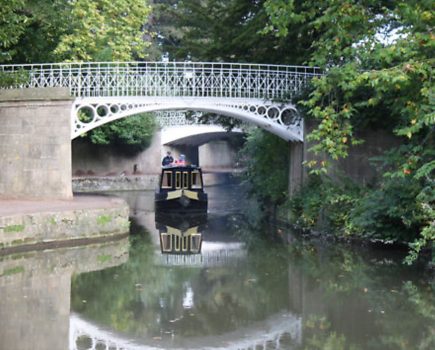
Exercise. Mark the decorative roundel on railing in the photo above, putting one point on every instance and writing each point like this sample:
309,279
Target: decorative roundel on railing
285,115
88,114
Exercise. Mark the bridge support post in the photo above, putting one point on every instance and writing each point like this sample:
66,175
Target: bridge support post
296,171
35,143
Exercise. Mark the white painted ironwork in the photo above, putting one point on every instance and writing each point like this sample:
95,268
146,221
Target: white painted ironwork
269,334
170,118
279,118
106,91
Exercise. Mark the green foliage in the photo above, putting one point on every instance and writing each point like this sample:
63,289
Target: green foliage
13,271
104,30
45,23
132,134
228,31
104,258
14,228
104,219
266,158
12,26
80,30
13,79
324,204
401,208
395,76
378,59
390,213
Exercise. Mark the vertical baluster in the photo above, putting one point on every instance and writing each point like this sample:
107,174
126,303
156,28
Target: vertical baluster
202,80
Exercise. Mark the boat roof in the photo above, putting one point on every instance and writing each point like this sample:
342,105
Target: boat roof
181,167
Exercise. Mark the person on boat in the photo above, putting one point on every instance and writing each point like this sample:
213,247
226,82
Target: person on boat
182,160
168,159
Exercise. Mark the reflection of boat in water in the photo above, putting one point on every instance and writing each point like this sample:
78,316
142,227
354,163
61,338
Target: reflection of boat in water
180,234
181,190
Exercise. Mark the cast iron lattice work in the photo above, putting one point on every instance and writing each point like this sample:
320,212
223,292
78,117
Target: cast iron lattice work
107,91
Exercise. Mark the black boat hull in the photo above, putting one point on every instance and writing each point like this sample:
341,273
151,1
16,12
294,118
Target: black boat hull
181,203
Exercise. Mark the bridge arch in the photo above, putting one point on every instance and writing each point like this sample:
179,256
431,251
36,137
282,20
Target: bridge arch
281,119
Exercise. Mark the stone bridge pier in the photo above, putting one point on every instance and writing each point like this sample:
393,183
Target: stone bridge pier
296,168
35,143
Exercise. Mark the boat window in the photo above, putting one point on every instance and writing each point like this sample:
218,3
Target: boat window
196,179
185,244
195,243
177,243
185,179
166,242
167,179
177,180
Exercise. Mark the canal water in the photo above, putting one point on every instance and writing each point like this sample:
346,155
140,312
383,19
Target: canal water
213,282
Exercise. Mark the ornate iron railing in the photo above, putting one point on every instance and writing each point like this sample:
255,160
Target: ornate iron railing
201,79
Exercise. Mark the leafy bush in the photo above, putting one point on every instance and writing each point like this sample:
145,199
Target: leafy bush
401,208
324,204
390,213
131,135
265,157
13,79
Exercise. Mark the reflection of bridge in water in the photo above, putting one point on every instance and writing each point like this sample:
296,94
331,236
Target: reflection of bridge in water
212,254
280,330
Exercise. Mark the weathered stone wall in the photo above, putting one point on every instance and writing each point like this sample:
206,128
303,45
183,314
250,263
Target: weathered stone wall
217,154
296,170
89,159
43,227
35,143
116,183
139,182
357,165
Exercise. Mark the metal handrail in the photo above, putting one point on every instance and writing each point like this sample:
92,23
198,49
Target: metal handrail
211,79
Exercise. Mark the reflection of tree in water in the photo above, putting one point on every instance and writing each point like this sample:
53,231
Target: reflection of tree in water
368,303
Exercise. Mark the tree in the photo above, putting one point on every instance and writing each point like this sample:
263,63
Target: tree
267,167
216,30
12,26
104,30
45,23
131,135
377,55
34,31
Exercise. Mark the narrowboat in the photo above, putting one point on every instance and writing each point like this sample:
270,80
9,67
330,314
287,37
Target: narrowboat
181,190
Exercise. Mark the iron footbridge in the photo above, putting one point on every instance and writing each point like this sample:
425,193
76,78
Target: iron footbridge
106,91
